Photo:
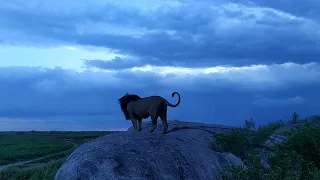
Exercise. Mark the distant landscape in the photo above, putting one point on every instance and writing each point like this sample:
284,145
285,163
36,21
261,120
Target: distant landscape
38,154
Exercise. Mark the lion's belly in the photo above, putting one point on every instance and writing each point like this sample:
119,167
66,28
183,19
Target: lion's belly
144,115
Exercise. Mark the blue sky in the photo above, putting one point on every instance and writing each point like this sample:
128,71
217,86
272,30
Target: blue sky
64,65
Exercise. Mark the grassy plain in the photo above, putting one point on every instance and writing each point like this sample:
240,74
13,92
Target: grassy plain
53,146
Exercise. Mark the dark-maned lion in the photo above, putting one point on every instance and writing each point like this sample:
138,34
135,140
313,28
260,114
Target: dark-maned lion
136,109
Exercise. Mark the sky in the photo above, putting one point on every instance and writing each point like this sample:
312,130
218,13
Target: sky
65,64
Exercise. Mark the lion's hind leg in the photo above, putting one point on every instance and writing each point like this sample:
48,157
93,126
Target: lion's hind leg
139,124
154,120
163,117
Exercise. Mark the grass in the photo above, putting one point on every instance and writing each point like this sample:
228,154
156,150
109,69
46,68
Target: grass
43,173
54,157
77,137
17,146
21,146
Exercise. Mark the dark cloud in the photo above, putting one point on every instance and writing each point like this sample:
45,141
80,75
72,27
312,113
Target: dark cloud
34,92
201,35
214,50
56,93
196,33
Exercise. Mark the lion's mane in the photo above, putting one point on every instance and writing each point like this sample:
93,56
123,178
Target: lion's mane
125,100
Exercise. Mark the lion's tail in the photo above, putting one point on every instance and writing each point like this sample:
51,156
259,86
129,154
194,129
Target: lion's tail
174,105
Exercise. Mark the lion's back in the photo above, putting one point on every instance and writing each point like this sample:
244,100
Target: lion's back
147,103
154,100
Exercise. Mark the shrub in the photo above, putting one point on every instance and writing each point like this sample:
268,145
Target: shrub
242,140
298,158
252,169
306,142
289,165
264,132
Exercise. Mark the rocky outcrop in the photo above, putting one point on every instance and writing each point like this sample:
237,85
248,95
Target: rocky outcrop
183,153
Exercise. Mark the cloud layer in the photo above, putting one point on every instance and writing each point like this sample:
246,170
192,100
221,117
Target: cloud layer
230,60
35,92
187,33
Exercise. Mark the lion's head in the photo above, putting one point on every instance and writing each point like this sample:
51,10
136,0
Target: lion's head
125,100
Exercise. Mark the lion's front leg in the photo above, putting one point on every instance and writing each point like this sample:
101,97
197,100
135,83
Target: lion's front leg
134,124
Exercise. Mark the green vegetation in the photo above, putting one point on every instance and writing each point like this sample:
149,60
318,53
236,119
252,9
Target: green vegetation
48,159
242,140
17,146
297,158
21,146
56,146
77,137
44,173
288,133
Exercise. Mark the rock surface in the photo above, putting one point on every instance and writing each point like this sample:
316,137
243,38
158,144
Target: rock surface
183,153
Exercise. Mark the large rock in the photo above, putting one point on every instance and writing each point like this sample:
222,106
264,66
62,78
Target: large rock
183,153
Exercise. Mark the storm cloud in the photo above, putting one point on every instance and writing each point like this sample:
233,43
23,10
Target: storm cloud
189,33
229,60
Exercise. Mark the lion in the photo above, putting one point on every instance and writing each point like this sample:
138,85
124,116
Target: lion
136,109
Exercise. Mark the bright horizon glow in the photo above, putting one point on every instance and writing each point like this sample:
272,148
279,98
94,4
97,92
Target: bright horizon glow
67,57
